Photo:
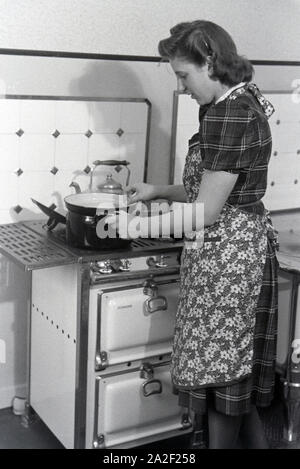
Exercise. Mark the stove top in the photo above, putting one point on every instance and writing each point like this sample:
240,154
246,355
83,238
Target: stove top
31,246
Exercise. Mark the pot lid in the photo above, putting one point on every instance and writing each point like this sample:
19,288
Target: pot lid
110,186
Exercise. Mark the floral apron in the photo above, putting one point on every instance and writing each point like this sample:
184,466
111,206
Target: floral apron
220,285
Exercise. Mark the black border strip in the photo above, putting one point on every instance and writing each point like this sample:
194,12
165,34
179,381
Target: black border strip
140,58
78,55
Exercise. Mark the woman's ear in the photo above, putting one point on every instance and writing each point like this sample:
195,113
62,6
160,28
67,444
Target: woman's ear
209,65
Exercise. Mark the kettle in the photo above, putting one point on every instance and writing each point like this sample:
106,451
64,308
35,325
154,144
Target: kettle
110,186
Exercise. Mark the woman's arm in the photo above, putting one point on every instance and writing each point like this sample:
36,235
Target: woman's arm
215,188
174,193
144,192
214,191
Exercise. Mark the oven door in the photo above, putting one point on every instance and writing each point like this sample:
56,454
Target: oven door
135,321
137,406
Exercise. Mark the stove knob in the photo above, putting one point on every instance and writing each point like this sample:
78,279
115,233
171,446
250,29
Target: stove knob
125,265
161,261
158,261
150,262
104,267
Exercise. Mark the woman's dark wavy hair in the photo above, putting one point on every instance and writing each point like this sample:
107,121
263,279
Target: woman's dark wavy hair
202,41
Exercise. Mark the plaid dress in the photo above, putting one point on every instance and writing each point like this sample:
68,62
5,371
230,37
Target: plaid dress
225,335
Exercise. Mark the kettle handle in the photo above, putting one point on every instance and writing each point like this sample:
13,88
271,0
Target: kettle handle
112,163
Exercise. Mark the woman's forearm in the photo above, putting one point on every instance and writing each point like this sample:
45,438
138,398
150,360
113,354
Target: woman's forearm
184,219
174,193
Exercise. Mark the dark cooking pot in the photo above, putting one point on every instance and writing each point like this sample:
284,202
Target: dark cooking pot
82,220
81,229
87,209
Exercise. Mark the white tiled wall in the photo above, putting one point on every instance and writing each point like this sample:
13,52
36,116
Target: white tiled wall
284,168
283,189
25,172
47,143
186,125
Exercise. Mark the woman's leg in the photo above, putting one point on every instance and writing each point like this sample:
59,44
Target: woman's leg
223,430
252,432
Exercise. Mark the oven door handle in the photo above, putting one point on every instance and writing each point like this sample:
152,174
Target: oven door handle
154,304
156,390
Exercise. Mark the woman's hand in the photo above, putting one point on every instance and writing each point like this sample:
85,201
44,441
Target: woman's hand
141,191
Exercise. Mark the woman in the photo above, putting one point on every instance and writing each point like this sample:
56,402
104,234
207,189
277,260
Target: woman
225,334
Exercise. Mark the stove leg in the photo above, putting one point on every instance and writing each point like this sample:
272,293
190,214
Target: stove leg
29,417
291,413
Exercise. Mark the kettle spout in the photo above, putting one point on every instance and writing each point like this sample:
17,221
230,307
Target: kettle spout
76,186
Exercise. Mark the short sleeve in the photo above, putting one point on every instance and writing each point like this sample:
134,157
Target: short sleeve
193,142
229,137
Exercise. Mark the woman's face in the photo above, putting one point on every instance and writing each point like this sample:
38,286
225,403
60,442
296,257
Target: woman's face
196,80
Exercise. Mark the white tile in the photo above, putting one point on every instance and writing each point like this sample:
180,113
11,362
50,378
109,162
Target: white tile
71,152
105,116
286,137
37,152
284,168
26,214
133,149
9,115
8,190
103,147
285,108
289,110
72,116
282,196
134,117
38,185
38,116
9,152
62,181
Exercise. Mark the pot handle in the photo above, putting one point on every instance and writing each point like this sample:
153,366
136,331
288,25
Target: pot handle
114,163
54,217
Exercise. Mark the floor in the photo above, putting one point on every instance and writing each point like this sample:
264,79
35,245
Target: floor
14,435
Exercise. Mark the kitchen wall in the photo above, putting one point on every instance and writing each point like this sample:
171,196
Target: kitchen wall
47,143
267,29
102,78
263,29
